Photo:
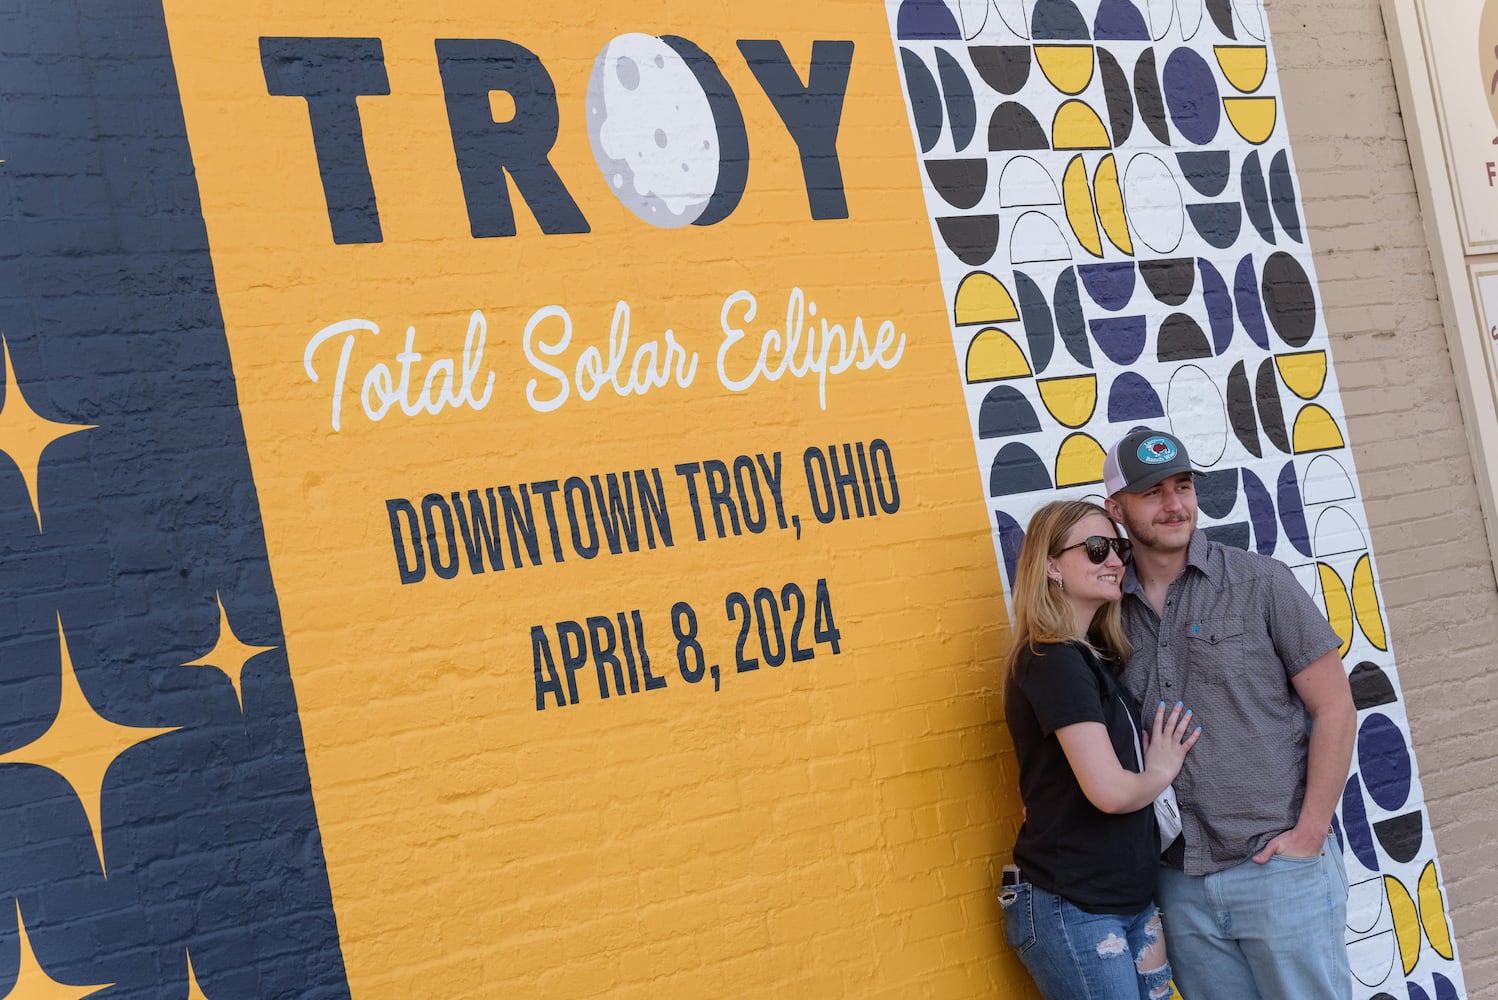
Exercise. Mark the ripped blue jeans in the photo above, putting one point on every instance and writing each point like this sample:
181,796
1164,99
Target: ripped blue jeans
1075,955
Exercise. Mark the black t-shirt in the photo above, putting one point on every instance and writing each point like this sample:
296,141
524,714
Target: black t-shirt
1100,862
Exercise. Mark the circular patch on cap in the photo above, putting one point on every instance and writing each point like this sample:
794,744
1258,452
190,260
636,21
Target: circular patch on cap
1156,450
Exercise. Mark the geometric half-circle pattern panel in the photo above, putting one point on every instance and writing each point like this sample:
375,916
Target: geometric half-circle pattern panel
1138,255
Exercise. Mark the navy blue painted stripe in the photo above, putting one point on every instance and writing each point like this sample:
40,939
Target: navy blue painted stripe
108,305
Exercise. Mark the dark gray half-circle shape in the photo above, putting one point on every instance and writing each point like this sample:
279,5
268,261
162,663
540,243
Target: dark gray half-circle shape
1282,195
1014,126
1117,95
1222,16
1371,687
1256,197
1005,68
1017,469
1005,412
1035,312
1149,97
1402,836
962,108
925,100
1241,410
960,182
1217,492
1171,280
1271,409
1217,222
1070,321
1235,534
1206,170
973,238
1181,339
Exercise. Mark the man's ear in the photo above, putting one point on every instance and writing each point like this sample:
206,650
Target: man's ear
1113,508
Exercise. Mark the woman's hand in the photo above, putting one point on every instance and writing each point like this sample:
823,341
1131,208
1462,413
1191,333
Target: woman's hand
1168,741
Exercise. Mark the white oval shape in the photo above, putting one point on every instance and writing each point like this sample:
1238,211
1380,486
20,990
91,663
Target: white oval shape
1152,199
1198,415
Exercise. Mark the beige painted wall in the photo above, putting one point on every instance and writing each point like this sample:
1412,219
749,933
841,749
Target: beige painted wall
1406,427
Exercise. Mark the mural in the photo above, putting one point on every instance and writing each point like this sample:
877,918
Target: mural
486,503
159,824
1114,206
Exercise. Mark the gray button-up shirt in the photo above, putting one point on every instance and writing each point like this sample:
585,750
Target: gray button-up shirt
1235,628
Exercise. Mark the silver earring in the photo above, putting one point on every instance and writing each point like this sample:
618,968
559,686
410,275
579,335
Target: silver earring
1061,583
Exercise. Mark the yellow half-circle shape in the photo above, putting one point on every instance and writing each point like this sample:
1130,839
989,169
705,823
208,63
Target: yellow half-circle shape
1245,66
1079,211
1365,604
1252,117
1406,922
1304,374
1338,607
1110,204
1080,461
1077,126
1433,912
1068,67
993,355
982,298
1315,430
1072,401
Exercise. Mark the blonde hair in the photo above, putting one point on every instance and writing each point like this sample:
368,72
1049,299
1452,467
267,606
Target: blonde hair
1041,611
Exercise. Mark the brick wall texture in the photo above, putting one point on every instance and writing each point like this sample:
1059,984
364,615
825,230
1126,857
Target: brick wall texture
247,750
1397,383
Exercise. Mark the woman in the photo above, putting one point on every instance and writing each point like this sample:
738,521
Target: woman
1081,913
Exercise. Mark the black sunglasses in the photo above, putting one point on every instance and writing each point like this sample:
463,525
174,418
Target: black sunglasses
1097,547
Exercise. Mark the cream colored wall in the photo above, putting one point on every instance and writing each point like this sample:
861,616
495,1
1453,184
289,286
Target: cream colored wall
1406,428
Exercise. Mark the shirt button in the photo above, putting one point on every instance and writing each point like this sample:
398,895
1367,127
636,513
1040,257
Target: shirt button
1168,684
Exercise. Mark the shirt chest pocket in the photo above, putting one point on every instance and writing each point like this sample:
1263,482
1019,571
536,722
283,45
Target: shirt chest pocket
1213,639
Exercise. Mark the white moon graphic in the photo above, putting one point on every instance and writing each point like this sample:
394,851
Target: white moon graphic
666,131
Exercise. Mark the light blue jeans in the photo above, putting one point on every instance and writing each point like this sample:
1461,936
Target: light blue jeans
1075,955
1259,932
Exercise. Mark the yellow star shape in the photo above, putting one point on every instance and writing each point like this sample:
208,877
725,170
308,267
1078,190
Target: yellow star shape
194,991
228,654
24,434
80,744
32,981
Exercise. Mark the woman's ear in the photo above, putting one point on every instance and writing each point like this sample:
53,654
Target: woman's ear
1052,570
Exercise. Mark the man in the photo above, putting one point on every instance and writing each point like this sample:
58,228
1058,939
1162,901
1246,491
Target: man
1253,891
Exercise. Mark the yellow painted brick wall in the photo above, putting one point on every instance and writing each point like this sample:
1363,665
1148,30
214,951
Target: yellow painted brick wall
309,769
